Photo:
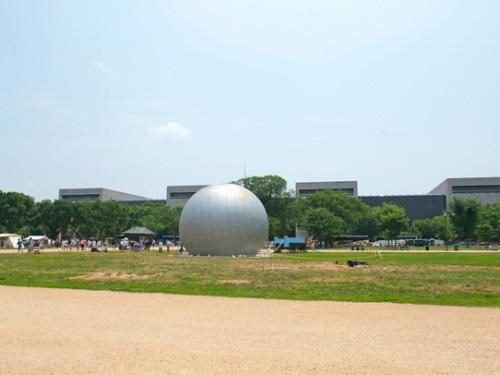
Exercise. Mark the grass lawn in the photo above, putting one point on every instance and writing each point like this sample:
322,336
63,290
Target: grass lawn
447,278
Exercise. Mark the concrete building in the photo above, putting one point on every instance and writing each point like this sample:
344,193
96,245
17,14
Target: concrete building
416,206
304,189
180,194
484,189
101,194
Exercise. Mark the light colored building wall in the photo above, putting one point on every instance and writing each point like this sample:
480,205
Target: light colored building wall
303,189
484,189
82,194
180,194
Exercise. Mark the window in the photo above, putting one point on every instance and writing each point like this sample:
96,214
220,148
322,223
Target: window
306,192
475,189
182,195
80,197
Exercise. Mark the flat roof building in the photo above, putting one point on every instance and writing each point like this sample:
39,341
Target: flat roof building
98,194
416,206
178,195
484,189
304,189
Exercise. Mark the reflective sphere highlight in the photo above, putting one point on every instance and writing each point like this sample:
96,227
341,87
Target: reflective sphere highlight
223,220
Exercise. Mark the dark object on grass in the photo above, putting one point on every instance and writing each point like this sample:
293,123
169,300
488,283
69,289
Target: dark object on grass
354,263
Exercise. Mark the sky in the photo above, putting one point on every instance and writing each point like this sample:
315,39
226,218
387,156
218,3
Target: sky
138,95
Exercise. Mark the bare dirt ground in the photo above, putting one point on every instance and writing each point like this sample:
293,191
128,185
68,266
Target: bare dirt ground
57,331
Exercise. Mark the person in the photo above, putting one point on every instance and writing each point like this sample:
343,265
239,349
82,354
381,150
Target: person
30,245
104,247
160,246
82,244
37,247
19,245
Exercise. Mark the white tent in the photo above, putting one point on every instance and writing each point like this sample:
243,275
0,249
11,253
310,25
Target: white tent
37,238
9,240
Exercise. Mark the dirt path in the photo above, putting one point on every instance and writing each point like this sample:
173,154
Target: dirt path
60,331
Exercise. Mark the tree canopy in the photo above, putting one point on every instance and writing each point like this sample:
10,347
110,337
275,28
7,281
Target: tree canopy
14,210
391,220
327,214
488,226
278,202
464,215
436,227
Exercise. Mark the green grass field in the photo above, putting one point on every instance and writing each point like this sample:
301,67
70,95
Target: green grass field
447,278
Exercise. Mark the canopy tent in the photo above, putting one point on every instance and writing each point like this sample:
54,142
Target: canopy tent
38,240
139,234
9,240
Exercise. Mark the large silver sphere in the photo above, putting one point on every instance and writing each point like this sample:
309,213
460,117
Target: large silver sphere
223,220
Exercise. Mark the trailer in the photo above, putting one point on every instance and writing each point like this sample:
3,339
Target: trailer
289,243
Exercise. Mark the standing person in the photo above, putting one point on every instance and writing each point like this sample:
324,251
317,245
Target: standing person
82,244
19,245
160,246
30,245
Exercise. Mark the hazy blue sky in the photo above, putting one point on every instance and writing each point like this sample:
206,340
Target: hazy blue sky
138,95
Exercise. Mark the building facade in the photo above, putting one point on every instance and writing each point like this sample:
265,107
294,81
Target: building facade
98,194
416,206
304,189
484,189
180,194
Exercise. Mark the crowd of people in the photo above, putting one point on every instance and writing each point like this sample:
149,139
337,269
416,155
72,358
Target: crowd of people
92,245
127,244
33,246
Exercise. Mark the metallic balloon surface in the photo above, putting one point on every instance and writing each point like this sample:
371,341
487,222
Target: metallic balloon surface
223,220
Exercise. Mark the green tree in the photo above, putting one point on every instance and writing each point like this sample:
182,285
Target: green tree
269,189
278,202
40,220
323,224
15,210
161,219
368,224
391,220
488,227
349,209
436,227
464,215
109,218
345,214
64,219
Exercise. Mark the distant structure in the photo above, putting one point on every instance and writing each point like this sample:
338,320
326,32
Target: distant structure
224,220
98,194
139,234
484,189
304,189
416,206
420,206
180,194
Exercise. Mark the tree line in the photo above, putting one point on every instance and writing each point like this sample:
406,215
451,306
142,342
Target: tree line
329,214
325,215
19,213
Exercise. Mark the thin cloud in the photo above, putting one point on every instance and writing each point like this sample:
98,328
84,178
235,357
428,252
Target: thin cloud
172,130
99,65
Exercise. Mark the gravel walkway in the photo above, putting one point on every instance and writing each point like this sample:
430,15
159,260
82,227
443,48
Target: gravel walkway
57,331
